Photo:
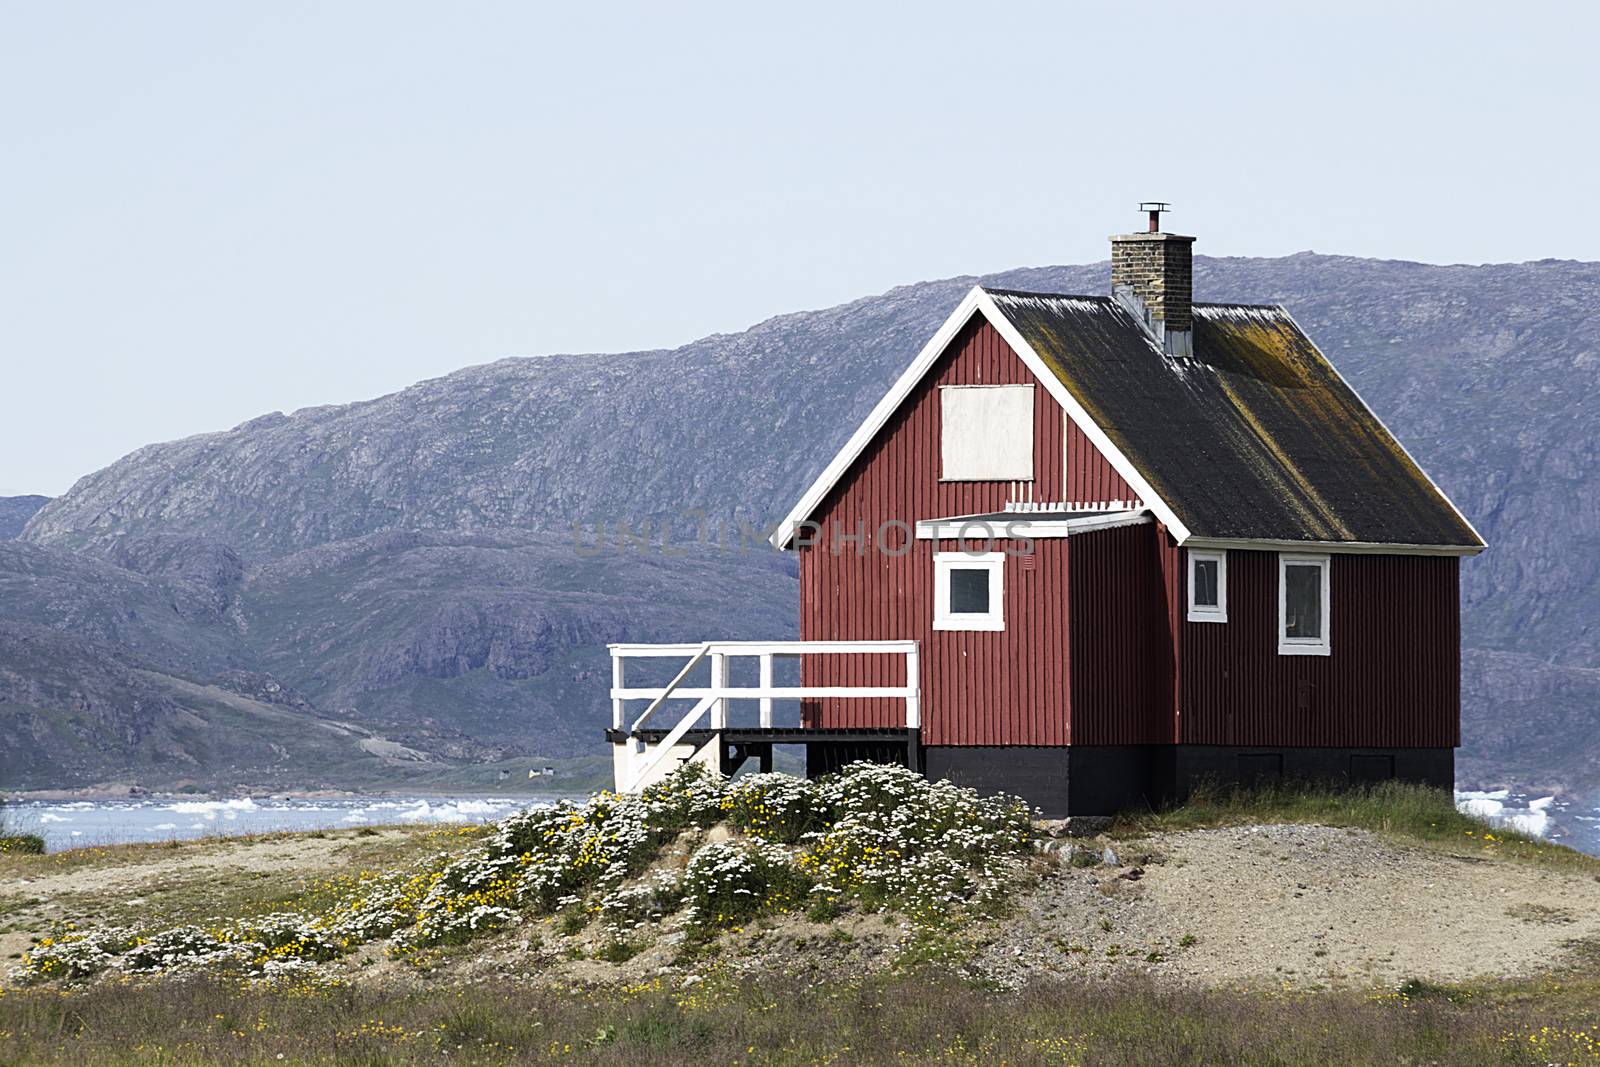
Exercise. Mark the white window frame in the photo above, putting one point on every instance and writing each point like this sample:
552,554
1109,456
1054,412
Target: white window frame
943,617
1217,612
1304,646
976,460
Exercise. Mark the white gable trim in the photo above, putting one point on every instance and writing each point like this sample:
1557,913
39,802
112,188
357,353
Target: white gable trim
976,302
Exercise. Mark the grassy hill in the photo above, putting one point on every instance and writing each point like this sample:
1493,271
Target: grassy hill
774,921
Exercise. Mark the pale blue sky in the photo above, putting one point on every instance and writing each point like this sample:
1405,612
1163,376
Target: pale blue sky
213,210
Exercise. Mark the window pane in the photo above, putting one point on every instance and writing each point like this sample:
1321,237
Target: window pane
969,590
1205,583
1302,600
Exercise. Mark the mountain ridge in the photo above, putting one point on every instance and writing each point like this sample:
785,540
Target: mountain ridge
1485,372
15,511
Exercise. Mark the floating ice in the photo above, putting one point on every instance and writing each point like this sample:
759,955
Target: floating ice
208,808
1499,808
165,818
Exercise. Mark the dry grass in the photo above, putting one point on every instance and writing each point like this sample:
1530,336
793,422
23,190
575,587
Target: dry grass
13,840
173,883
1395,809
398,839
912,1019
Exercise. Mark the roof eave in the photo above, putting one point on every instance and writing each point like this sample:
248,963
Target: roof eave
1367,548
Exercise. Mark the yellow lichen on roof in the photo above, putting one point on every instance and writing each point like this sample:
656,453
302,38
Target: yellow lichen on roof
1255,436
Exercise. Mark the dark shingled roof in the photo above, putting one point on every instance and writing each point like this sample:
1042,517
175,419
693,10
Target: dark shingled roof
1254,437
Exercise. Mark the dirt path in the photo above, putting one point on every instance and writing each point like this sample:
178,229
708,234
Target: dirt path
1303,905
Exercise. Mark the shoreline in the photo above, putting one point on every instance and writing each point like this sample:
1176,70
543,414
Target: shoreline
102,795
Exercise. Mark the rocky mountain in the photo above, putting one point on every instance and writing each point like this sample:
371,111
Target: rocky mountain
15,511
407,563
389,657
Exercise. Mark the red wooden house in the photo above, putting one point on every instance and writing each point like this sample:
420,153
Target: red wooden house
1092,549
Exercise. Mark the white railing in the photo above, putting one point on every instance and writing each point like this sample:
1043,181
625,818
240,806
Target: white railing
713,700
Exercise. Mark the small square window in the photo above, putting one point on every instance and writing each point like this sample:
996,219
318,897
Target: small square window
969,591
1208,586
1304,623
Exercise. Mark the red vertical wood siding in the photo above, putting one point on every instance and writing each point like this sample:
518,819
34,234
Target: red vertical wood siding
979,688
1089,477
1393,679
1122,663
1173,589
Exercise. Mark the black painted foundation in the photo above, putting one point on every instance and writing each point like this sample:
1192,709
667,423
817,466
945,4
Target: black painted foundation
1104,779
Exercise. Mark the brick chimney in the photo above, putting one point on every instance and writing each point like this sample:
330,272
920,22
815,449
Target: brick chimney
1152,274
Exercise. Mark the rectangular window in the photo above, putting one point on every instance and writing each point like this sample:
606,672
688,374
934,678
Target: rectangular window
969,591
986,433
1208,586
1304,626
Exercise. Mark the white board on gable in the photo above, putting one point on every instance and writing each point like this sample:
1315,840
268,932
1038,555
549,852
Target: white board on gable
986,433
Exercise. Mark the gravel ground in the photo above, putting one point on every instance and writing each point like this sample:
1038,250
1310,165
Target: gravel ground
1297,905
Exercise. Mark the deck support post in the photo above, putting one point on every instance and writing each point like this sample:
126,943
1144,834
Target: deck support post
719,709
766,683
618,712
914,709
719,680
914,750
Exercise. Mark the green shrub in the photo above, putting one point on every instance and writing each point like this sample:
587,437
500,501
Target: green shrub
869,836
774,807
22,844
896,840
471,1025
727,883
13,840
617,950
1422,989
824,909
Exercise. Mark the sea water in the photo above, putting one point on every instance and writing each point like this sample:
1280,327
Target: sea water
80,823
